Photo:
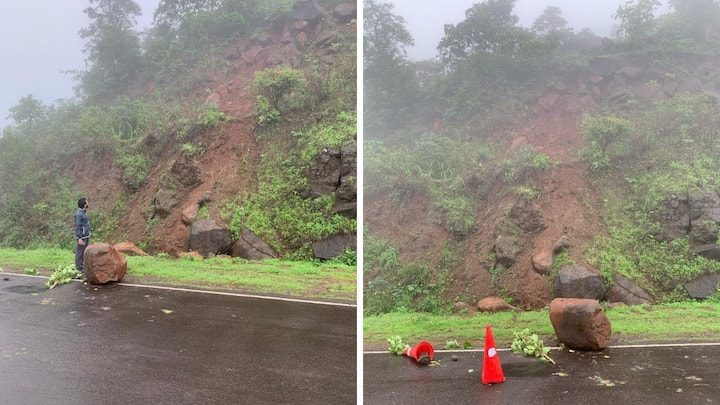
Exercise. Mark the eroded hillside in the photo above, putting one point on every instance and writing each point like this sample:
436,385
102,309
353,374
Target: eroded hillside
526,217
223,159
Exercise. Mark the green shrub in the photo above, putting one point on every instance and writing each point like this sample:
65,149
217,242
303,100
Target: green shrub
135,169
600,133
276,84
189,149
213,117
267,114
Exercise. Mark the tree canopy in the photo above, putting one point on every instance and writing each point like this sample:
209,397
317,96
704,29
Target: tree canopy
113,50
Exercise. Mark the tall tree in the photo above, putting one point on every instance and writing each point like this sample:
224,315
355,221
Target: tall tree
113,49
384,36
29,111
489,27
637,19
695,18
488,54
551,22
389,83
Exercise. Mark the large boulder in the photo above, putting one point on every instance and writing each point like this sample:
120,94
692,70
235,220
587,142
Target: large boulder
251,247
710,251
580,324
703,286
334,246
542,261
578,282
507,250
495,304
129,248
304,10
103,263
210,239
625,291
345,12
164,202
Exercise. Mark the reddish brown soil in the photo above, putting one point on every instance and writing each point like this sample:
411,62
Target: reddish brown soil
569,204
228,164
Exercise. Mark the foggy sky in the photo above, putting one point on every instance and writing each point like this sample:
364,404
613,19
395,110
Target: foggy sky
38,41
425,19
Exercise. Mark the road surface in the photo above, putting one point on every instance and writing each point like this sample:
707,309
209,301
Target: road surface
117,344
683,374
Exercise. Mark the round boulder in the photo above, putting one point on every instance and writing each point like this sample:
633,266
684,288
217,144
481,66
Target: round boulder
580,324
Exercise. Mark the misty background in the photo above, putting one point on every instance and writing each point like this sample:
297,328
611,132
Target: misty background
41,46
425,19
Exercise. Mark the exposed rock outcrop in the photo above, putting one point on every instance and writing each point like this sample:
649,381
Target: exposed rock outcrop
209,239
251,247
703,286
578,282
334,246
625,291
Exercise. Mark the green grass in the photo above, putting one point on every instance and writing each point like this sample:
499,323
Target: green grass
677,322
328,281
45,258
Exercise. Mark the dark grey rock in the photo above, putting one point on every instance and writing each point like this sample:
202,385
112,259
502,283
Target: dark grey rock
578,282
625,291
703,286
209,239
251,247
334,246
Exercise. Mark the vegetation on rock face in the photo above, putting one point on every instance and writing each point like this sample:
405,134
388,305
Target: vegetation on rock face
142,103
453,147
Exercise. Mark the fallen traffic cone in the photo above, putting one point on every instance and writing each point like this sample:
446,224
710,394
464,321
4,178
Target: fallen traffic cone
492,371
422,353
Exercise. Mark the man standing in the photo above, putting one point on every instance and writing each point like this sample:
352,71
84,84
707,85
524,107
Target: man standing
82,233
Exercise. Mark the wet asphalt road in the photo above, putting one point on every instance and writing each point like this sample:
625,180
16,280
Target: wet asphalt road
81,344
687,375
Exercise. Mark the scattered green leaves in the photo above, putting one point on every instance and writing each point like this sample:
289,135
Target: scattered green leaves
396,345
530,345
62,275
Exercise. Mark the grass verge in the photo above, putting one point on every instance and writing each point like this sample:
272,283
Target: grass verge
666,323
312,280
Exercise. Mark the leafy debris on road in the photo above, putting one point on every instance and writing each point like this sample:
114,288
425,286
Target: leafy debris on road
608,383
62,275
530,345
396,345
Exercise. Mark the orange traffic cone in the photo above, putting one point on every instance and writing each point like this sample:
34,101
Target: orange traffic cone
492,371
422,353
